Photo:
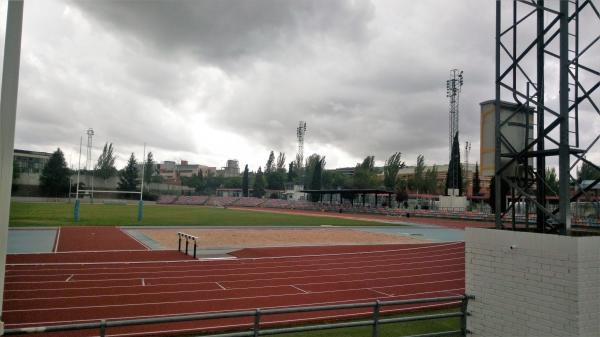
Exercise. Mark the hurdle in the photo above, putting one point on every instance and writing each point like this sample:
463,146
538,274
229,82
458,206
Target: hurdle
181,236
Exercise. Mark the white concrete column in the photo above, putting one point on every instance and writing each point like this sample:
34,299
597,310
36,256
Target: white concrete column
8,111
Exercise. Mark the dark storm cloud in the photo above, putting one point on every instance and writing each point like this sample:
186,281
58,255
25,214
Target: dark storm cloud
226,32
210,80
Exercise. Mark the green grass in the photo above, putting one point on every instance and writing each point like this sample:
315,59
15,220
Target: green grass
61,214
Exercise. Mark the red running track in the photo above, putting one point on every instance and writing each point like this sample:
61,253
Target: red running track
58,293
89,238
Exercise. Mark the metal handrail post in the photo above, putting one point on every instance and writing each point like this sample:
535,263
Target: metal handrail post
103,328
376,309
257,322
463,318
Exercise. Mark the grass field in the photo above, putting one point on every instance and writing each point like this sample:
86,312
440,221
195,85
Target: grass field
55,214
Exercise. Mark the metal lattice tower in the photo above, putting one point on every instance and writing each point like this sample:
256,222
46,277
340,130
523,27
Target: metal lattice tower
545,67
453,86
466,175
88,161
300,131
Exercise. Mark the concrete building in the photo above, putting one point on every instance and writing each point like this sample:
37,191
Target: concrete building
30,161
231,169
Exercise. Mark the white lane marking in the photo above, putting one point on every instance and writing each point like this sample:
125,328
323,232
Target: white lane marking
57,238
143,282
69,278
212,272
134,238
236,309
215,300
302,290
380,292
220,286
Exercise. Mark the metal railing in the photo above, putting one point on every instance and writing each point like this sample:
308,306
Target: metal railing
375,321
187,237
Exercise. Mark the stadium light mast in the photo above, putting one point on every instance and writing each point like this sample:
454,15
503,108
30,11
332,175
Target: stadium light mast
300,131
453,86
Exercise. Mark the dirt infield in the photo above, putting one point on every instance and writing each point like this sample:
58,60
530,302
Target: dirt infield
242,238
84,292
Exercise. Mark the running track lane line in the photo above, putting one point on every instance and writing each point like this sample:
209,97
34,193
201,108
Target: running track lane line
133,237
216,267
234,309
55,250
239,298
237,259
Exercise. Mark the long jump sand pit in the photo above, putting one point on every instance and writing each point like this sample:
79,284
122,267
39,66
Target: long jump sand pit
269,237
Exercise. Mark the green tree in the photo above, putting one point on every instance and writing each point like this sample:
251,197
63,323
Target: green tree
128,177
454,177
430,180
291,174
281,162
476,181
417,181
259,184
390,171
364,174
552,184
316,180
54,180
105,168
270,166
149,168
196,181
587,172
245,182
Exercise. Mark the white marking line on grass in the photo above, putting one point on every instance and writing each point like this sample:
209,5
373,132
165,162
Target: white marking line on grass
57,238
312,262
134,238
69,278
220,286
227,310
302,290
229,298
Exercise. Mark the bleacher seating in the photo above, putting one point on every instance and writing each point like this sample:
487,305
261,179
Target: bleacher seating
221,201
166,199
249,202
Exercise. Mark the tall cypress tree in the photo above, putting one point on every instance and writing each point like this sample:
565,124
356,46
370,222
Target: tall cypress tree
129,176
54,180
454,177
476,181
245,182
259,184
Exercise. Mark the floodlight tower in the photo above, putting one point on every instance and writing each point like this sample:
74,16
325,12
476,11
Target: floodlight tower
453,86
88,162
300,131
467,151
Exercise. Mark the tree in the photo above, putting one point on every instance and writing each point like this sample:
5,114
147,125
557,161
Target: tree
150,168
417,182
291,174
245,182
105,168
128,177
454,177
390,171
364,174
552,184
196,181
430,180
587,172
259,184
281,162
317,175
476,181
54,180
270,166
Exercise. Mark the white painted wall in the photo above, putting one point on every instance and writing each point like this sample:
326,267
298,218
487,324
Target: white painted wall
545,285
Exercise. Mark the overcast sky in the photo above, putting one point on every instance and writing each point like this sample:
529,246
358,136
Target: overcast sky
211,80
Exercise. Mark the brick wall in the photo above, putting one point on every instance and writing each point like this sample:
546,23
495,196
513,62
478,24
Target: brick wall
545,285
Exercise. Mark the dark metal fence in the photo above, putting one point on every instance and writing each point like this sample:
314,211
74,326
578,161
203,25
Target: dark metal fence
375,321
